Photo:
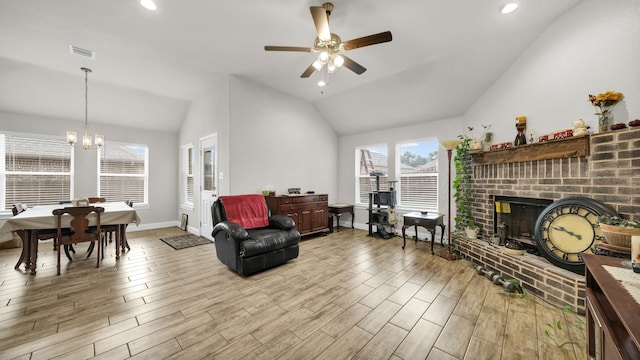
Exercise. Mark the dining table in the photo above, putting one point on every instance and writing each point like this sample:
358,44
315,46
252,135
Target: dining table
28,222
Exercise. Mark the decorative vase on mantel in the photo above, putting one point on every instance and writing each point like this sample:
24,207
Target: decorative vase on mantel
603,123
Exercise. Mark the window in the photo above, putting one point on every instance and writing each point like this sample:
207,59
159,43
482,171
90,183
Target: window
370,159
418,172
187,175
124,172
34,170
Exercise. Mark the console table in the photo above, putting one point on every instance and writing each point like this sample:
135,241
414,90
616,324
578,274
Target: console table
613,316
337,210
308,211
427,221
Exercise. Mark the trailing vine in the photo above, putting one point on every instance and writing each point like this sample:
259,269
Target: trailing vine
462,183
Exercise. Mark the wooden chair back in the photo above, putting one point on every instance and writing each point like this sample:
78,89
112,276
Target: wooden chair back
80,229
93,200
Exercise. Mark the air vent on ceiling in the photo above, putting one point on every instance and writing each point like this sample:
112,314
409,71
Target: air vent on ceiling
82,52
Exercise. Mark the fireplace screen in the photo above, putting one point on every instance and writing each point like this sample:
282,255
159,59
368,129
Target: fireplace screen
515,218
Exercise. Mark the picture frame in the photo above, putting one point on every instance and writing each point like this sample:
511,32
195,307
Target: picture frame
183,223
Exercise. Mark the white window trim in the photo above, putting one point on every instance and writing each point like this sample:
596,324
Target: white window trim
356,152
138,205
399,176
4,172
184,166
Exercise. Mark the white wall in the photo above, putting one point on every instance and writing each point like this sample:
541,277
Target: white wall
163,161
589,50
278,140
442,130
208,114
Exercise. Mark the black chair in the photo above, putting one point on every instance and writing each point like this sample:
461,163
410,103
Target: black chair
248,251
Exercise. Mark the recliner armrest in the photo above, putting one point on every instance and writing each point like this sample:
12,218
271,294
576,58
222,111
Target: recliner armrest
233,230
281,222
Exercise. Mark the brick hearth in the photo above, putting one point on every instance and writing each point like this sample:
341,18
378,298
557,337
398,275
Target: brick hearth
610,173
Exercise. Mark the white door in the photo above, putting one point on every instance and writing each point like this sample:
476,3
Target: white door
208,182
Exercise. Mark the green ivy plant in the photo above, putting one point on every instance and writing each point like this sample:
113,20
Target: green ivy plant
618,221
554,331
462,183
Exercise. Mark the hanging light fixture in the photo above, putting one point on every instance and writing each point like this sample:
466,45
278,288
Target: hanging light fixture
72,136
328,62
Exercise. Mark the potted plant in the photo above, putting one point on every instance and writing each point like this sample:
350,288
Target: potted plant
487,137
475,144
618,231
472,229
462,186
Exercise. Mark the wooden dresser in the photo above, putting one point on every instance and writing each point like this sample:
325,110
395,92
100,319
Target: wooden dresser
309,211
613,316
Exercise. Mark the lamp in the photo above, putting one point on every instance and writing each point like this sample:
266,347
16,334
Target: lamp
72,136
449,145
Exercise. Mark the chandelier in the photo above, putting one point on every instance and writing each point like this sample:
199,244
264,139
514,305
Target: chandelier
72,136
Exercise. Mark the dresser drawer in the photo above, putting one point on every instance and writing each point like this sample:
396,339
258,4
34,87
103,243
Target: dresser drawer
309,198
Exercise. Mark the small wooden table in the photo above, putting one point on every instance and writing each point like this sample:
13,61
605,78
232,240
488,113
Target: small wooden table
427,221
338,209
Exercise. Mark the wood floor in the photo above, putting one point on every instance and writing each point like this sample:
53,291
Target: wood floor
347,296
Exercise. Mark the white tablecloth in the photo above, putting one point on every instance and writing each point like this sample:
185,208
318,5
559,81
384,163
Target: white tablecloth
41,217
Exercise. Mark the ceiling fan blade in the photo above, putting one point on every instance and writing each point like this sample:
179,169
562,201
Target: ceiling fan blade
368,40
287,48
353,66
321,21
308,71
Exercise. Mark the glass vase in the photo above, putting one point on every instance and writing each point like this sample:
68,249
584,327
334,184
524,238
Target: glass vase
603,124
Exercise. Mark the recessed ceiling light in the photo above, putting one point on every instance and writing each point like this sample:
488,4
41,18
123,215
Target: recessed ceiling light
148,4
509,8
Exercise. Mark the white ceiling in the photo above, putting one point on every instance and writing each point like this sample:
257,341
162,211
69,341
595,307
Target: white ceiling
149,65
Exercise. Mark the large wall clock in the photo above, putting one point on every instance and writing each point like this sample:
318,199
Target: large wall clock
568,228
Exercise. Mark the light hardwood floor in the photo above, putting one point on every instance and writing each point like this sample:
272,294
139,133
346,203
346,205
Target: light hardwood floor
347,296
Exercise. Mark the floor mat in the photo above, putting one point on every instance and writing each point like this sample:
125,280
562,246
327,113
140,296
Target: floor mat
185,241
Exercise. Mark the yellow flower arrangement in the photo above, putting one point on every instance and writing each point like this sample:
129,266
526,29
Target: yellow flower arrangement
604,101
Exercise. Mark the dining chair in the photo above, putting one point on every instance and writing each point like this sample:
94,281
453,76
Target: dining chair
106,229
124,241
80,229
42,234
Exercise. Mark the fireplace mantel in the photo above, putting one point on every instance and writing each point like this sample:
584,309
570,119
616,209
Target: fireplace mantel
574,146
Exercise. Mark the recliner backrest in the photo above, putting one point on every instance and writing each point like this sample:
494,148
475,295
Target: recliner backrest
217,212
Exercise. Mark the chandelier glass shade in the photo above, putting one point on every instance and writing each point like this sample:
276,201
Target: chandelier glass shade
72,136
327,62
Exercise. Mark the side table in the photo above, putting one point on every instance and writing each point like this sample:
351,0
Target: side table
427,221
338,209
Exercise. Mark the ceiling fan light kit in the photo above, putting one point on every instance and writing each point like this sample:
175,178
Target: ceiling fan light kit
330,47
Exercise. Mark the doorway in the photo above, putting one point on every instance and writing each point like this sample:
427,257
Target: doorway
208,182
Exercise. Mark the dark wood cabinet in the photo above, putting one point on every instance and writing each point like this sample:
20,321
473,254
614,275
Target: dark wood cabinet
613,316
309,211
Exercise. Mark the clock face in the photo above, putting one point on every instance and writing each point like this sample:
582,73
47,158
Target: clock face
569,228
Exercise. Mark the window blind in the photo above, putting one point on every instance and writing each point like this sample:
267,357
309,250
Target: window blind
34,170
124,172
418,174
187,175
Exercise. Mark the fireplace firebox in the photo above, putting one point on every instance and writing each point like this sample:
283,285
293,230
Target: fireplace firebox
515,219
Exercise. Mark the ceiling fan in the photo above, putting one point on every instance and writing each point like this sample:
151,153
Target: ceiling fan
329,45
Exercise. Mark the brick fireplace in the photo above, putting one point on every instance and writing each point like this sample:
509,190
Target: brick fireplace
604,167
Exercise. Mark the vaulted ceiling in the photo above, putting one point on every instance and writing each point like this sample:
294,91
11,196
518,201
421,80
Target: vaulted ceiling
150,65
